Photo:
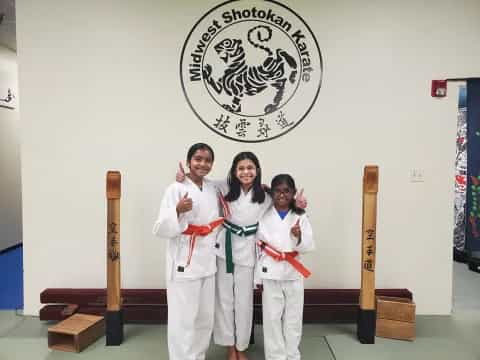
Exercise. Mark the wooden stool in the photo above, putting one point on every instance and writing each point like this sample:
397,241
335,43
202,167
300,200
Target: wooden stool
76,332
395,318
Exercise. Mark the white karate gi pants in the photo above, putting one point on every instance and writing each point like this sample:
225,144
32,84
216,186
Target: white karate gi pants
190,317
233,306
282,305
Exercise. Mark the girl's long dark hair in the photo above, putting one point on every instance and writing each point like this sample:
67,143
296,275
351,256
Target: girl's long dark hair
234,185
287,180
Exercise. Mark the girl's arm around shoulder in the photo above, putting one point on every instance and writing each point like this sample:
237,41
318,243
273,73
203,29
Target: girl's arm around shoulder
221,185
169,223
306,244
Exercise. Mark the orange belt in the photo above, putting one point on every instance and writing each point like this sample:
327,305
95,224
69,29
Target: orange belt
284,256
199,230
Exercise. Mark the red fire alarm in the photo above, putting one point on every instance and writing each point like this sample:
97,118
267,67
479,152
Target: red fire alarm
439,88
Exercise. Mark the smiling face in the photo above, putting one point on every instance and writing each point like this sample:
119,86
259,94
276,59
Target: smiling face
200,164
246,172
282,196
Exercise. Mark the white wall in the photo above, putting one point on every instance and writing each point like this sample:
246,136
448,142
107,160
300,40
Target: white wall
10,183
100,90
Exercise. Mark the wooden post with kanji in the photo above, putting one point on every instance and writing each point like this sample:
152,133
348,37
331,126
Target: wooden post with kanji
114,315
367,315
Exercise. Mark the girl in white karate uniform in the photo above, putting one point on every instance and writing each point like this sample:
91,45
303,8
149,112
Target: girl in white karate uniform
247,202
189,220
284,234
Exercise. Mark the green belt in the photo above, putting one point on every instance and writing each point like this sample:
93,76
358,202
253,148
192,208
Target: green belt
239,231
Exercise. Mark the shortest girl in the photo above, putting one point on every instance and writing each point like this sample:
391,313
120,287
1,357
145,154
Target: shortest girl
284,233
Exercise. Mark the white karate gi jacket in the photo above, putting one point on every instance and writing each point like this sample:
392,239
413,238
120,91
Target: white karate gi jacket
277,233
168,225
243,213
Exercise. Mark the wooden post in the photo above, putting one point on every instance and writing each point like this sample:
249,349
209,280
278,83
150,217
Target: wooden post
114,319
367,314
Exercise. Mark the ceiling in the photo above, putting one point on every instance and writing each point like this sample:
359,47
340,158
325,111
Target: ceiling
7,24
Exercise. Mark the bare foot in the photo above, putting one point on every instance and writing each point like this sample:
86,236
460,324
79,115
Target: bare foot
241,355
232,353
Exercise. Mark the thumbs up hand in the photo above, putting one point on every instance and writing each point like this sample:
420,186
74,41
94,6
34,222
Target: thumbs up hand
180,175
184,204
296,231
300,200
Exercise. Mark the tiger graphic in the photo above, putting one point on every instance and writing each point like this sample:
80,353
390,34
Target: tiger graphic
240,79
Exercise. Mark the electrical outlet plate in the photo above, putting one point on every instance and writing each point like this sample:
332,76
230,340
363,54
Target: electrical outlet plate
417,175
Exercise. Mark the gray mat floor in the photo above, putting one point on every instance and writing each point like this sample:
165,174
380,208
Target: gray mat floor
438,337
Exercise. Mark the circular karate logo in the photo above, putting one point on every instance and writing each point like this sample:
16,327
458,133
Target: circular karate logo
251,70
